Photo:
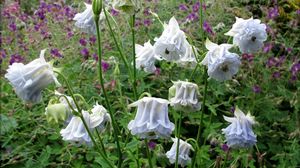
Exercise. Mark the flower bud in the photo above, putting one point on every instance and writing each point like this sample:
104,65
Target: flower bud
55,112
97,7
128,6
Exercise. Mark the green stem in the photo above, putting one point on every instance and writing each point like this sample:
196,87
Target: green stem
178,139
201,18
205,76
101,142
115,127
148,153
226,157
82,118
133,56
116,42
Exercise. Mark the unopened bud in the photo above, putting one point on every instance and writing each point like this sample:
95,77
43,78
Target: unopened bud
97,7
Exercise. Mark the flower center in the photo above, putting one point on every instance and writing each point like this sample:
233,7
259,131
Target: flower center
253,38
224,68
167,51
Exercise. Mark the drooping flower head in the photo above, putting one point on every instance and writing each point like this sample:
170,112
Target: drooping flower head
239,133
151,120
100,114
55,112
184,151
145,57
85,20
248,34
127,6
184,96
75,130
221,63
29,80
169,45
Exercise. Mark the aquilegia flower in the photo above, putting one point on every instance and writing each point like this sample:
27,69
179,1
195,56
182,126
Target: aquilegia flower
127,6
76,132
184,96
85,20
170,45
221,63
184,151
29,80
151,120
145,57
100,114
55,112
248,34
187,59
239,133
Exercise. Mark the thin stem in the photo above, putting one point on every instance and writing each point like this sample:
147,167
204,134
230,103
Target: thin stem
101,142
133,56
226,157
201,117
115,127
82,118
148,153
116,42
178,139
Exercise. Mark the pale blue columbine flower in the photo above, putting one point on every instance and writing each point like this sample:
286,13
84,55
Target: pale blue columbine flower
239,133
183,152
29,80
85,20
184,96
145,57
76,131
151,120
248,34
170,45
221,63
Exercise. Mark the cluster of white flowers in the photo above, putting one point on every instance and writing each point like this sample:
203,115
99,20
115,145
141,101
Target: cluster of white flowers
151,120
170,46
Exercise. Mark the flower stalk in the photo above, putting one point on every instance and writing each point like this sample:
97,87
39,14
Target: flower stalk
115,127
82,118
178,139
133,57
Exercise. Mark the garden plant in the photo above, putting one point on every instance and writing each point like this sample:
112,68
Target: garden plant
150,83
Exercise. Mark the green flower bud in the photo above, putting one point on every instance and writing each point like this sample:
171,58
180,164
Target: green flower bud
128,6
55,112
97,7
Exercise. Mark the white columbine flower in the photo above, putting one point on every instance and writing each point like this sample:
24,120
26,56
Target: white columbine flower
100,114
29,80
76,132
221,63
184,151
151,120
184,96
145,57
170,45
187,59
85,20
239,133
248,34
